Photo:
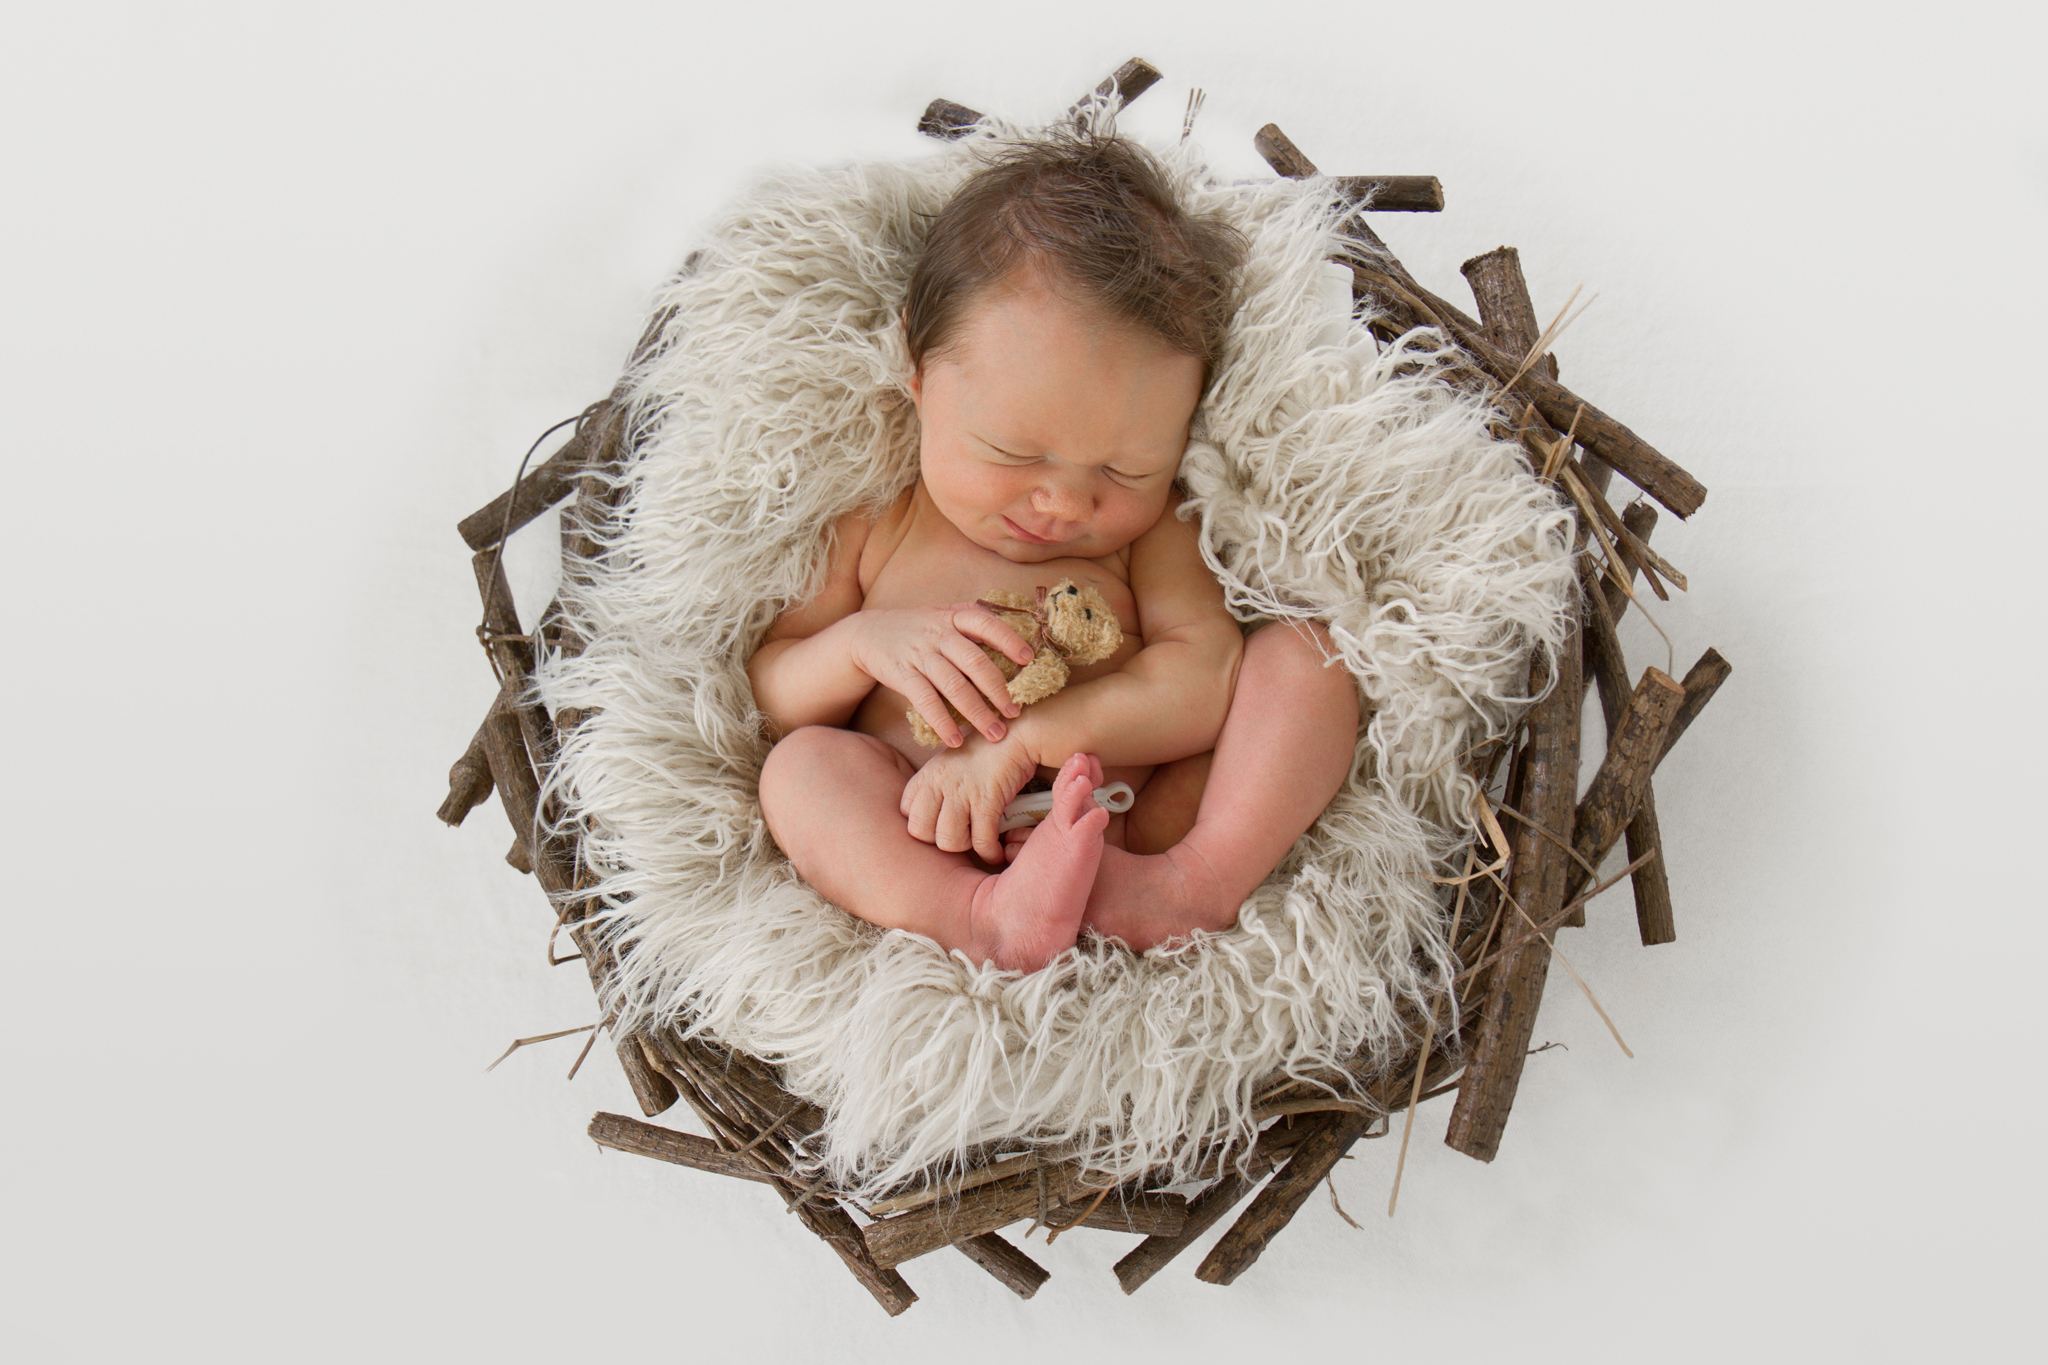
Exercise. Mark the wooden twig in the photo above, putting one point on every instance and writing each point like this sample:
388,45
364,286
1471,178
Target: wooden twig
655,1093
1012,1268
511,769
1633,747
1655,919
1502,294
909,1235
512,655
1392,193
1121,86
1281,154
518,1043
724,1111
1630,455
1126,1209
959,1184
469,781
1702,681
1547,775
1608,439
667,1144
1557,920
1282,1198
947,121
1205,1210
544,485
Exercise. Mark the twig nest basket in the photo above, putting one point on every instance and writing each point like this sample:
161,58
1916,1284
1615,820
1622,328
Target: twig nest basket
1349,466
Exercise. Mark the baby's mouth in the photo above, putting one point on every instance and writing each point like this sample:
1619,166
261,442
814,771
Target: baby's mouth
1029,539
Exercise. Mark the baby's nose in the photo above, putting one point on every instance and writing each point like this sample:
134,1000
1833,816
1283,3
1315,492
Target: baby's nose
1061,504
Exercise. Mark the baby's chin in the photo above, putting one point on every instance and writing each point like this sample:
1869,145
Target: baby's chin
1024,552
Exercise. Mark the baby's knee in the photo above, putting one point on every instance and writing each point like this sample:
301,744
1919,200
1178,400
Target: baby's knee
806,758
1302,653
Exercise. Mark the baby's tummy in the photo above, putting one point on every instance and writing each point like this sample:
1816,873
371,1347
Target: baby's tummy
885,715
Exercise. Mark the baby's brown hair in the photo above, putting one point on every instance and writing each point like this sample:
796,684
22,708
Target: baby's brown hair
1101,214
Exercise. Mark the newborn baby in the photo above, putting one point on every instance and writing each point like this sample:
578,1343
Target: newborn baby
1063,322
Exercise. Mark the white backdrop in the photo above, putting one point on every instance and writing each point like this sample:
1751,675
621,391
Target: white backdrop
288,292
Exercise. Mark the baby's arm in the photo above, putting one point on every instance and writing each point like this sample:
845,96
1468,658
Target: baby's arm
1167,702
820,659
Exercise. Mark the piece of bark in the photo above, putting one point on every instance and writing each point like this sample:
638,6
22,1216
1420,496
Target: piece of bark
655,1093
1205,1210
1702,681
909,1235
835,1226
1012,1268
1630,455
821,1214
667,1144
511,770
1537,880
1606,438
519,858
469,781
1502,293
1126,1210
1392,193
546,484
1122,85
1656,921
947,121
512,653
955,1185
1633,747
1281,154
1282,1198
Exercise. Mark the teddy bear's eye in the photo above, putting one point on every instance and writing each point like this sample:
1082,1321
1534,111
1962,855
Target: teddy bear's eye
1088,612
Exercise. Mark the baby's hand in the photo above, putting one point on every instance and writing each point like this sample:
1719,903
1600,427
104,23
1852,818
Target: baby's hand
956,799
932,655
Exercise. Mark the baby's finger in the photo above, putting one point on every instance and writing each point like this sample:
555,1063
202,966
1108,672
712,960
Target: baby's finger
925,699
920,812
943,674
988,837
953,831
983,673
984,625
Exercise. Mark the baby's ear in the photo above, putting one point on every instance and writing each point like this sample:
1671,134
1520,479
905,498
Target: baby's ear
917,367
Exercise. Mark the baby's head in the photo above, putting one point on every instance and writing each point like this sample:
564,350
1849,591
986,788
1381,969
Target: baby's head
1064,320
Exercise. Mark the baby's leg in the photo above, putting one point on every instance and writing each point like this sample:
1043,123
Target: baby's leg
831,800
1285,749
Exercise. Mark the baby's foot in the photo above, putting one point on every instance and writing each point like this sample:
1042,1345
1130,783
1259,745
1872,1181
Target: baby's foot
1030,913
1147,901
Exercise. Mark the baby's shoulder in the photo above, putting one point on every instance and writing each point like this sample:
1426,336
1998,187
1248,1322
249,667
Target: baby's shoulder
881,535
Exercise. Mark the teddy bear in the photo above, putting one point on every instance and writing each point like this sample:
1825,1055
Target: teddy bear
1066,625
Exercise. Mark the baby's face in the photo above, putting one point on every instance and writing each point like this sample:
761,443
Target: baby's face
1049,431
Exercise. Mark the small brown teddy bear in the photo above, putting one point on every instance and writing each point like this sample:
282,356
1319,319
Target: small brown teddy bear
1066,625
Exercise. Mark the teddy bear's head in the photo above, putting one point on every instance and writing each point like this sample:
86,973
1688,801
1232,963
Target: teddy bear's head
1081,622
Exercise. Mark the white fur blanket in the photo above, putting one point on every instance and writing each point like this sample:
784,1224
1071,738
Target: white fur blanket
1332,479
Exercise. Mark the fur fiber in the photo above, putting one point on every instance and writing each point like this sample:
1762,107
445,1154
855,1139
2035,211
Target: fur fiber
1333,480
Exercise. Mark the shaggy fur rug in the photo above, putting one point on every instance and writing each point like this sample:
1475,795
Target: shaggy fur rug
1333,479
